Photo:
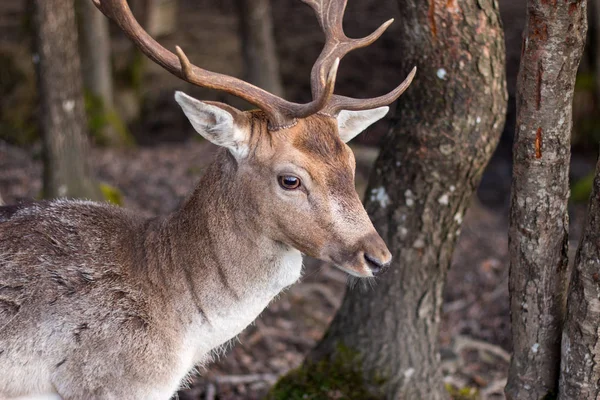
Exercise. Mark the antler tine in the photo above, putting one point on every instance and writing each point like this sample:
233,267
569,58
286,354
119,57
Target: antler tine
186,66
281,113
330,14
364,42
326,95
339,103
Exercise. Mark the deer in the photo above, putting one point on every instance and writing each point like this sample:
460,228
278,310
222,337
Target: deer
97,302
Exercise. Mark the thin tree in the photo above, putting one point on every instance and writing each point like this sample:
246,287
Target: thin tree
538,234
580,374
258,45
428,169
62,120
94,43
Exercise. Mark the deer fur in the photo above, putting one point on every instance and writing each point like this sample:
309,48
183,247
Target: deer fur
97,302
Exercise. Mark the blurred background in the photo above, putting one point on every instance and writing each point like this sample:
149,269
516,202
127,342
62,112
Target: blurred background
146,156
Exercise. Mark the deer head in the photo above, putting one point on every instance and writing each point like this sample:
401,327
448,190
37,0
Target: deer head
290,160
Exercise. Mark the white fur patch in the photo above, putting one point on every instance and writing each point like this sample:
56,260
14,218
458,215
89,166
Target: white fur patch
229,323
48,396
290,270
351,123
367,272
208,340
214,124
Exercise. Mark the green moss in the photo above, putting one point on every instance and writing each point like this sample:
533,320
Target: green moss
111,194
136,71
340,377
588,128
581,190
99,118
95,114
585,82
465,393
131,74
115,121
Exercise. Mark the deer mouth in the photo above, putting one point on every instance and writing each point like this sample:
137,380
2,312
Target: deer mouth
357,272
364,265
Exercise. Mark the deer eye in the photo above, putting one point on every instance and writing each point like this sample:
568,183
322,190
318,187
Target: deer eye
289,182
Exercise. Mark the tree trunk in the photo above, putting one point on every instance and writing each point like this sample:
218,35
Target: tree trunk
63,120
580,371
553,44
258,45
430,164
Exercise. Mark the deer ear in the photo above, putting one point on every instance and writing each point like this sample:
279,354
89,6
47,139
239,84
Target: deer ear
351,123
218,123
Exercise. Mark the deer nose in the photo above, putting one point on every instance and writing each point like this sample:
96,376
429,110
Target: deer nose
377,265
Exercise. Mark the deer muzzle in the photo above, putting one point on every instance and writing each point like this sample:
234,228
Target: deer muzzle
367,258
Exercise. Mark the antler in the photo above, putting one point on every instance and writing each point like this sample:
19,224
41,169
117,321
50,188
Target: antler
330,14
281,113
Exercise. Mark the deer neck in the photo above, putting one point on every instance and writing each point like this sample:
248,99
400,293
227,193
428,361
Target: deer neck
227,267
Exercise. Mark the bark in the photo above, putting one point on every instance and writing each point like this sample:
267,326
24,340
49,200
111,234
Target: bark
553,44
428,169
63,121
258,45
580,370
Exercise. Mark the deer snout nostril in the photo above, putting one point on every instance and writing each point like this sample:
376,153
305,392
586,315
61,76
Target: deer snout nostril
376,265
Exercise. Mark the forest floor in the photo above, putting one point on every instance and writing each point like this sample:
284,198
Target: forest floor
154,178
